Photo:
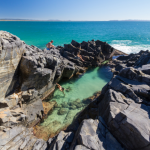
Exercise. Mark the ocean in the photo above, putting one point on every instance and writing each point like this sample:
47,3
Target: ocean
127,36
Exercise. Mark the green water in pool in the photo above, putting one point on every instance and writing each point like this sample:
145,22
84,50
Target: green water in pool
77,90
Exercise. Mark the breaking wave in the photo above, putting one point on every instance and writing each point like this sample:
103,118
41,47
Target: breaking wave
127,46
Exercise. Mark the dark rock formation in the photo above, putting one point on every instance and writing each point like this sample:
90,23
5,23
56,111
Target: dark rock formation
92,52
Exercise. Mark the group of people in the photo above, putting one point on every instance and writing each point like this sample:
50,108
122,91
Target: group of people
50,46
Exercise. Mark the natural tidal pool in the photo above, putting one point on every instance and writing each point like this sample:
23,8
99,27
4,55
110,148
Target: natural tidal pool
77,90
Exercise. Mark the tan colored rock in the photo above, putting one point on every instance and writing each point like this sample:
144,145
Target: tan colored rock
6,116
48,107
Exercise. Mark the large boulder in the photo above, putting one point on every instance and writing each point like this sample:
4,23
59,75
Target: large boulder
144,59
61,142
11,50
93,134
128,122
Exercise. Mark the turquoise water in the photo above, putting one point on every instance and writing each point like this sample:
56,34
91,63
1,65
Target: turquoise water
126,36
75,99
84,86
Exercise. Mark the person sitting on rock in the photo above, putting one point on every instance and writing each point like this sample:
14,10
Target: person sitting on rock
79,56
60,88
49,45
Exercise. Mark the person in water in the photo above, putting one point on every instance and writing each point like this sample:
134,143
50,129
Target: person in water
60,88
50,45
79,56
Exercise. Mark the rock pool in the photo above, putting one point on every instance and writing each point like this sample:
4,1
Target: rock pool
77,90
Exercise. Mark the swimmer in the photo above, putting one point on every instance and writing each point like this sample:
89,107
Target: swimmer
60,88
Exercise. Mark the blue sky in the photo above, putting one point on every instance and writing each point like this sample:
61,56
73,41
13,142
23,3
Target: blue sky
91,10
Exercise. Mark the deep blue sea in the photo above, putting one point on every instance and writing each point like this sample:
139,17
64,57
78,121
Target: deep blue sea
129,37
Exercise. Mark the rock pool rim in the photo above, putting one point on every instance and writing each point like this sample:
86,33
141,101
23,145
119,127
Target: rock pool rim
50,96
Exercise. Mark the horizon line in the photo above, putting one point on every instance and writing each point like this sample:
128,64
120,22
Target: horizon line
68,20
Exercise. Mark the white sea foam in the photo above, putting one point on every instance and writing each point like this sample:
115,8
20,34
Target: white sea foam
127,47
123,42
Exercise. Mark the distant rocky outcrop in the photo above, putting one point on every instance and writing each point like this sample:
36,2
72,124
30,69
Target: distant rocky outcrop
29,74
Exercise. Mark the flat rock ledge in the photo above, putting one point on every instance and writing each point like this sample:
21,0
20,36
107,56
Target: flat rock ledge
120,118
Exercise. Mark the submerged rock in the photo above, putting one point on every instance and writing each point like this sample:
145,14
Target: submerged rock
65,105
69,117
62,111
78,100
68,89
73,107
79,105
58,105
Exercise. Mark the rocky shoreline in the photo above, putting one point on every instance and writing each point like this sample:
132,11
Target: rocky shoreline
117,119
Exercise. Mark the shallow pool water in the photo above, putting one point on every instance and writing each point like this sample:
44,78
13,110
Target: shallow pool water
84,86
77,90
